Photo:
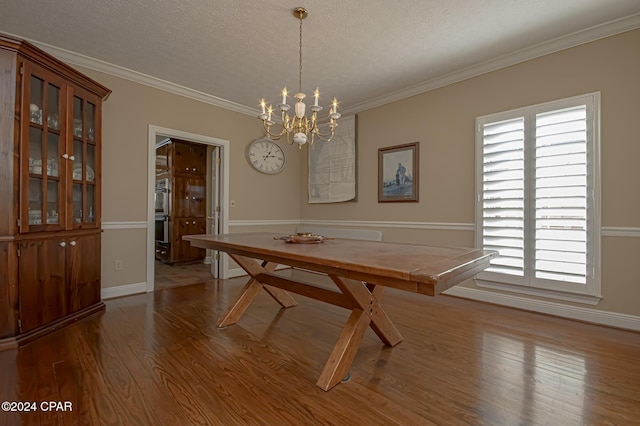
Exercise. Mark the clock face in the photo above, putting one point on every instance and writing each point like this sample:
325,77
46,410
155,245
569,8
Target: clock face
266,156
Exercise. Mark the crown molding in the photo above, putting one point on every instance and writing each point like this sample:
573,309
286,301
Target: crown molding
561,43
588,35
77,59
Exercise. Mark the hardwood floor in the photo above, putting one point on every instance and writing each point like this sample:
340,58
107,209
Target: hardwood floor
179,274
158,359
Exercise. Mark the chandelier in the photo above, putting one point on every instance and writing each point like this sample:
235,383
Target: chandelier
302,128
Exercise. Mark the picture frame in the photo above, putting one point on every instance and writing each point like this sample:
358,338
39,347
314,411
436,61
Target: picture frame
398,175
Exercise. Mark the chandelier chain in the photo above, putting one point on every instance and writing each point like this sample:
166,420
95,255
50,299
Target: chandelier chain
300,75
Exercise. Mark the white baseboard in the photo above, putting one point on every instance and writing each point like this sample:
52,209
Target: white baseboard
123,290
137,288
236,272
611,319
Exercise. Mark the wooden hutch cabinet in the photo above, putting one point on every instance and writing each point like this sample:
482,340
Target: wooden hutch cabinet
185,182
50,169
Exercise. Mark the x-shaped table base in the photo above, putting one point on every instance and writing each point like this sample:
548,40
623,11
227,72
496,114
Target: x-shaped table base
363,299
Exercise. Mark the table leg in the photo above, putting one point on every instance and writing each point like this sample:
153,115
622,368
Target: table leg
369,313
251,289
367,296
339,362
235,311
283,297
366,311
380,323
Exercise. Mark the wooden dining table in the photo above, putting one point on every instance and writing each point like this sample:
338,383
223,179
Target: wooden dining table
360,271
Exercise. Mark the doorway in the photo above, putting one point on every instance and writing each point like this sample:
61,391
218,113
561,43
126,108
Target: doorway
218,194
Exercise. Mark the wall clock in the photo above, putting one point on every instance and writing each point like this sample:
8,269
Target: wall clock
266,156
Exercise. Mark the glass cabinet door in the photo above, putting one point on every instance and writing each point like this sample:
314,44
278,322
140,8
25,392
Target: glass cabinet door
60,154
44,142
85,162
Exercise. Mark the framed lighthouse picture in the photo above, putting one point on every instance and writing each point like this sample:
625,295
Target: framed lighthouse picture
398,173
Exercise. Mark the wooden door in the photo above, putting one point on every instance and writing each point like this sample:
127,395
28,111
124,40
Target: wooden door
43,285
43,150
59,153
197,227
199,159
189,158
85,160
189,197
83,268
197,198
179,247
180,197
9,312
180,158
182,250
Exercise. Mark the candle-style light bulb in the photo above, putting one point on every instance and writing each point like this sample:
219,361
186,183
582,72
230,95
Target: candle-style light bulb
284,95
316,95
263,105
270,110
335,105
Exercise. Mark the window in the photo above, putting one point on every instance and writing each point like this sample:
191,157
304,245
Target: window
538,198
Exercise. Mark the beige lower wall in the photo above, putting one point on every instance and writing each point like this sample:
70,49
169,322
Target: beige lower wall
129,246
620,279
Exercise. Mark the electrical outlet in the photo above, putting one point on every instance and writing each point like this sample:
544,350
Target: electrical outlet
119,265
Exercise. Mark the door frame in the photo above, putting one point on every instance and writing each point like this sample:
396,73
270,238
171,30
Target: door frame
156,132
214,225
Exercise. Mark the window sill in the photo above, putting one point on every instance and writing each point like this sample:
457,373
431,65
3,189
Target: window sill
586,299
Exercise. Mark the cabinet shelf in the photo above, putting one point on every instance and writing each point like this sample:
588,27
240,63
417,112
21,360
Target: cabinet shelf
52,130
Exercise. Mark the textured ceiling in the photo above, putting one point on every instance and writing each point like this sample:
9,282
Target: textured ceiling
364,52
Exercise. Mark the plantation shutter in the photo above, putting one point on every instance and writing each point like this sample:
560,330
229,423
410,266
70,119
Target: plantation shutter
561,195
538,198
503,185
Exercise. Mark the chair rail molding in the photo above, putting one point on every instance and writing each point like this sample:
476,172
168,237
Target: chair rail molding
607,231
615,231
448,226
265,222
125,225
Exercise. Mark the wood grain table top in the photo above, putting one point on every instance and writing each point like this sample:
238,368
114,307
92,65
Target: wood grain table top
412,267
